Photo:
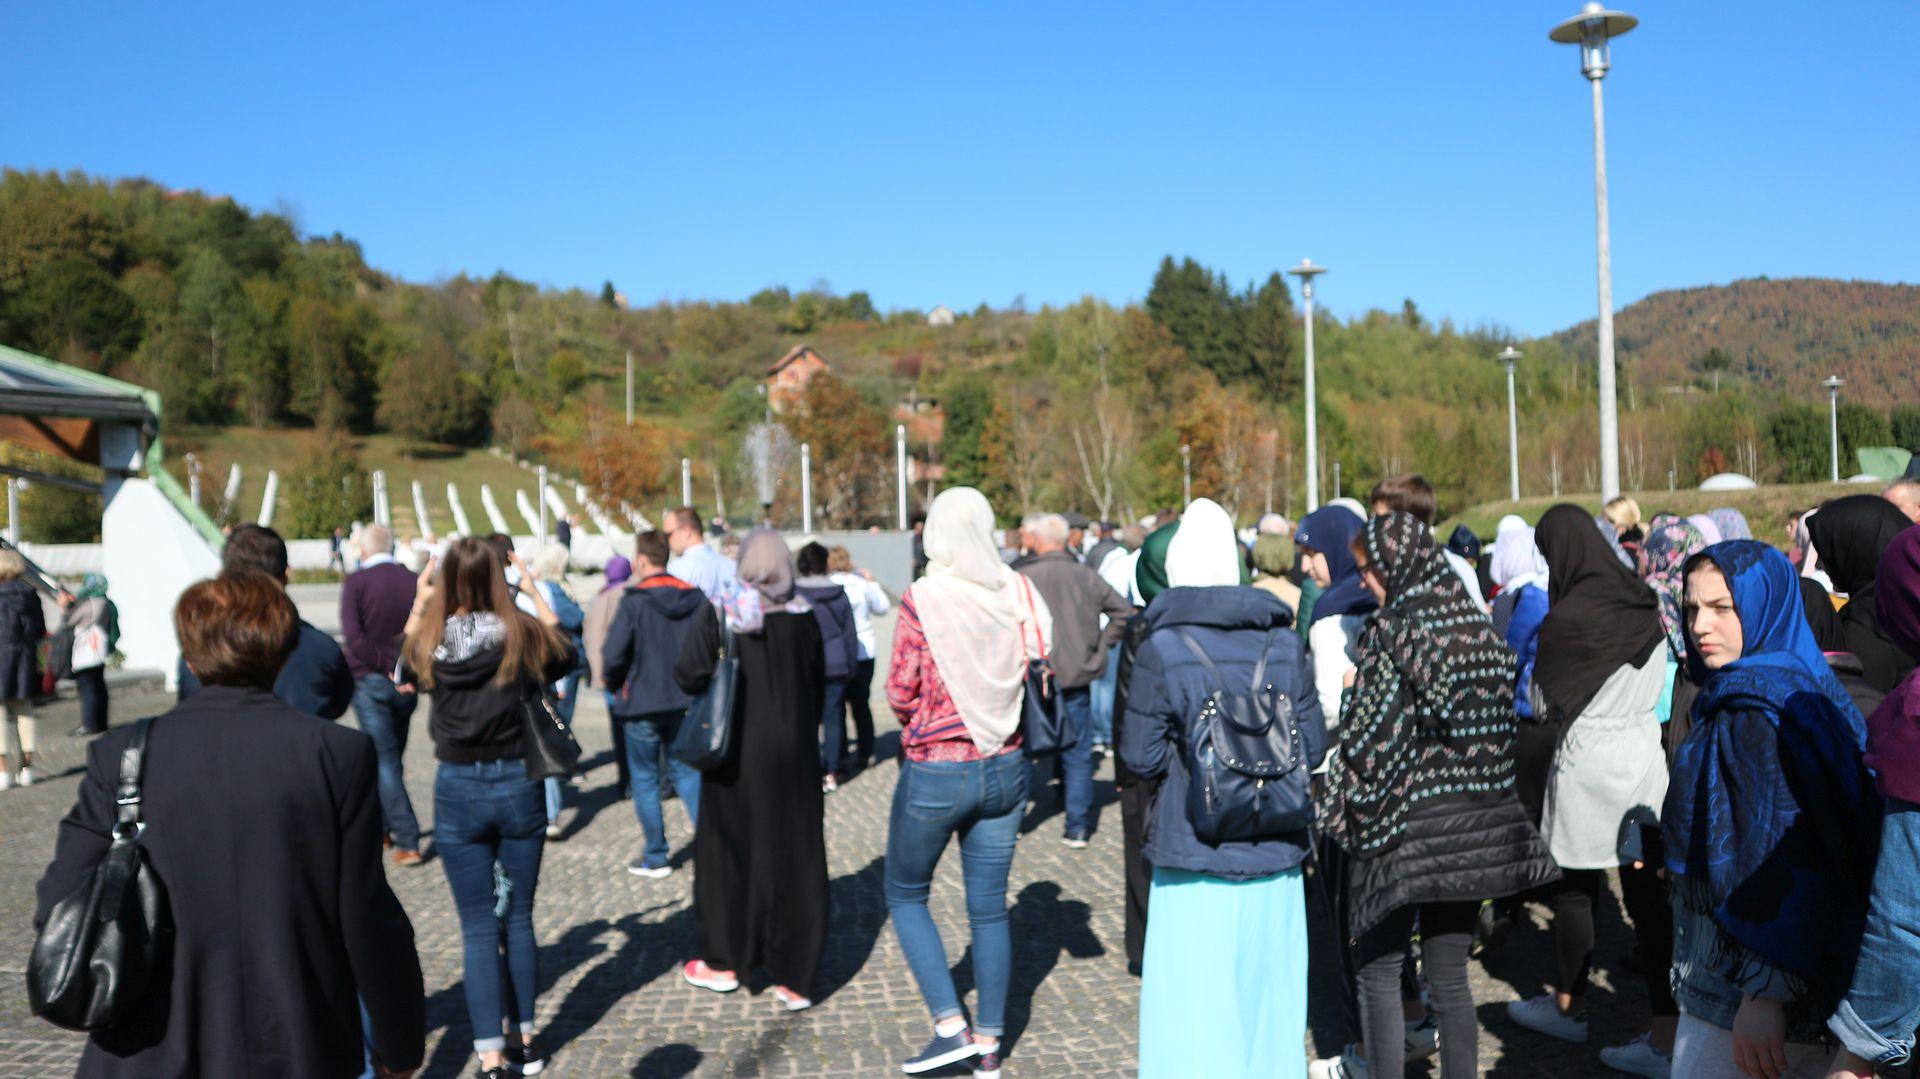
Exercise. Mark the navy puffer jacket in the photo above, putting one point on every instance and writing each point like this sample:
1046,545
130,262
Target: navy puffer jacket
1169,686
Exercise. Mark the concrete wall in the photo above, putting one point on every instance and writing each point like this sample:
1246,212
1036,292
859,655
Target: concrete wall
150,555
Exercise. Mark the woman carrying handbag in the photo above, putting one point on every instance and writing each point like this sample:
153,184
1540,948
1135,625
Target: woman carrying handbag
759,847
485,662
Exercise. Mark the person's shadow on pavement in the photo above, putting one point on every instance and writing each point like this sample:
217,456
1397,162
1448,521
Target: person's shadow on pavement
1043,925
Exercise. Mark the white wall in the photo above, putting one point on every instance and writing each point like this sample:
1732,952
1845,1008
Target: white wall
150,554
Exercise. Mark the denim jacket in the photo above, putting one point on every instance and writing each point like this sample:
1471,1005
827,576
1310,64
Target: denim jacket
1712,972
1877,1019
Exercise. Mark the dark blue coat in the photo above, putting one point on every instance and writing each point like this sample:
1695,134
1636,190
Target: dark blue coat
649,628
837,636
1166,691
315,680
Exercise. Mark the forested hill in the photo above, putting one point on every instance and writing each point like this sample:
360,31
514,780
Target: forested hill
1781,335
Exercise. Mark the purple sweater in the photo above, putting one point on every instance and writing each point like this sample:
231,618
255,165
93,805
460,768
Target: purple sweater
373,613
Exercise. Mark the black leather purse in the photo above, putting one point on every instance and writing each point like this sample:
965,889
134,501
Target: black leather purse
111,938
1043,718
705,739
550,749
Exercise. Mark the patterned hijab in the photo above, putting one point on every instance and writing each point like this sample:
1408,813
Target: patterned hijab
1731,522
1670,542
1433,695
1771,819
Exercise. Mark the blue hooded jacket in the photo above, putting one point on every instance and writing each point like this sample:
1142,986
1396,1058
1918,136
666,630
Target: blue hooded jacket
1165,693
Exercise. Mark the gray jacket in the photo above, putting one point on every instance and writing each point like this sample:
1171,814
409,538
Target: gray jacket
1077,597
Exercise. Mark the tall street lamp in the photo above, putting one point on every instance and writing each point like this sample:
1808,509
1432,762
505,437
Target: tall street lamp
1186,474
1306,272
1508,356
1592,29
1833,384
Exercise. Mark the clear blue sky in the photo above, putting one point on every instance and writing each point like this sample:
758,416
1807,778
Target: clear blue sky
954,153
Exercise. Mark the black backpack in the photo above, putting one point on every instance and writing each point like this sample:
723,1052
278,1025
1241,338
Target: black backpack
1247,774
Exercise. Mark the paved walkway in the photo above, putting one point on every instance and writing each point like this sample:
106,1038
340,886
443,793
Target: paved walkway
611,1003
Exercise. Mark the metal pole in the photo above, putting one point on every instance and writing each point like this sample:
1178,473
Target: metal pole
900,461
806,487
1186,474
1833,431
543,503
13,511
1513,440
1609,408
1313,444
1336,479
686,481
629,387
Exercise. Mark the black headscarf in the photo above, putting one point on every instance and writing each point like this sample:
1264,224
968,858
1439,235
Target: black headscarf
1600,617
1850,534
1821,616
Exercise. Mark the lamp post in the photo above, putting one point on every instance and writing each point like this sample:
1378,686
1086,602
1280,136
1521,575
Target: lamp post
1508,356
1592,29
806,488
1186,474
686,481
1833,384
900,462
1306,272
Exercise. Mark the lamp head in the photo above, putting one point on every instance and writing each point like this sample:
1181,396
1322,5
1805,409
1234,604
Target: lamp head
1833,383
1306,272
1508,355
1592,30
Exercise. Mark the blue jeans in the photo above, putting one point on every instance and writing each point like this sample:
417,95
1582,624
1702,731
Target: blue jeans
1103,688
833,722
1076,764
982,802
483,814
563,707
645,735
1877,1019
385,714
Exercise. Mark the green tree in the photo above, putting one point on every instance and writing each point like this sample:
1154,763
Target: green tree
1271,324
1860,428
967,400
608,296
1797,435
1714,362
426,396
1903,422
327,490
74,310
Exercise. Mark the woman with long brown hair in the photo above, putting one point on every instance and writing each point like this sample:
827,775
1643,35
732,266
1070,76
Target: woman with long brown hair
480,658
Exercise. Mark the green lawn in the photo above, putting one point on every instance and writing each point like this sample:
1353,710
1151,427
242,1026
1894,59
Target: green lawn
259,450
1766,508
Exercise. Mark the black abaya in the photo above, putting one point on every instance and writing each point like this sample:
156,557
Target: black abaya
759,850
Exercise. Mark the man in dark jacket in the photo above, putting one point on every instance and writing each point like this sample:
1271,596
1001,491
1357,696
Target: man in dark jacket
1078,598
840,642
648,630
316,679
373,614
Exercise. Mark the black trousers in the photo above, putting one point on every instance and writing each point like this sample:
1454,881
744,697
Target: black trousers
860,703
1133,834
92,684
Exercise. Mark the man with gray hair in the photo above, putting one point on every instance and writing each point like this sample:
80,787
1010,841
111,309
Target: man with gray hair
1078,599
1904,493
374,604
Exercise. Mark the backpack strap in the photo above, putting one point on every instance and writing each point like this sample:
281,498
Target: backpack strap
1259,668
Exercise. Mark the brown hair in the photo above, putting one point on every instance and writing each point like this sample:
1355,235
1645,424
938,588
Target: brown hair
682,517
12,565
1407,493
236,629
653,547
471,578
255,547
839,560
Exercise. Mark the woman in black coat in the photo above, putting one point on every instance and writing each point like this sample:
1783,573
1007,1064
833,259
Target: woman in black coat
263,824
22,624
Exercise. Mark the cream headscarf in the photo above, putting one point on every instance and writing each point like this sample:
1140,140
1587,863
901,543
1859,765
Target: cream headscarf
1203,553
982,620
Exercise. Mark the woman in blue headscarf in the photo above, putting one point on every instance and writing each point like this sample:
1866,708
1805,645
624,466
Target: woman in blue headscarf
1325,540
1771,825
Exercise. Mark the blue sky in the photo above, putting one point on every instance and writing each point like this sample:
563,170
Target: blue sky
960,153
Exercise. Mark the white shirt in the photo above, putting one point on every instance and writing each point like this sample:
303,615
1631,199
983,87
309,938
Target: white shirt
867,599
1117,570
1469,576
1328,641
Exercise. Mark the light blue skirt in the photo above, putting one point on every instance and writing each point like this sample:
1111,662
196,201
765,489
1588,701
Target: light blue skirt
1224,991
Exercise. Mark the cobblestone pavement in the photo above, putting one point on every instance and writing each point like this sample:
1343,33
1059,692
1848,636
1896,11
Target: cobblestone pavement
612,1005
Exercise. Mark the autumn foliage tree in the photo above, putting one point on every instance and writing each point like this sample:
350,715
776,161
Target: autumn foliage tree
847,435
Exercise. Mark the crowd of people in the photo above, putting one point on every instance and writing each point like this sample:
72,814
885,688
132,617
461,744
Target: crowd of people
1344,729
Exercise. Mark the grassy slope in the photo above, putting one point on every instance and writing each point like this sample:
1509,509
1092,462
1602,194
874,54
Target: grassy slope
259,450
1766,508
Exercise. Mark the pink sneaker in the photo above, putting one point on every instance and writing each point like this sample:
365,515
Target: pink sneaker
790,1000
697,972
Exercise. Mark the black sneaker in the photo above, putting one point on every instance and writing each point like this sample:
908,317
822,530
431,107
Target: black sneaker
526,1059
500,1072
941,1052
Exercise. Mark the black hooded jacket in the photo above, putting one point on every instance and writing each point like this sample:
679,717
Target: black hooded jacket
643,644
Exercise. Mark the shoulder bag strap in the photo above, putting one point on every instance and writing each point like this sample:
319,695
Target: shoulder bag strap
126,799
1039,643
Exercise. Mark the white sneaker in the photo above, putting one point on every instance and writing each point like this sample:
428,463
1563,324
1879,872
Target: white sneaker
26,776
6,780
1638,1057
1348,1065
1423,1038
1542,1016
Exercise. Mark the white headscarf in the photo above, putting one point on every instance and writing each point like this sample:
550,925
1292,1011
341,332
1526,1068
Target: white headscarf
1351,505
1517,561
1203,553
982,620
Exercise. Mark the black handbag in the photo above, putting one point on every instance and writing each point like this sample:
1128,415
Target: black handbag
1248,776
1043,717
106,944
548,745
705,738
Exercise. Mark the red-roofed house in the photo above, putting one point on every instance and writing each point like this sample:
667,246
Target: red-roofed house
788,377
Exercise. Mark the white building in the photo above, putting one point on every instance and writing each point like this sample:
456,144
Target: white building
940,316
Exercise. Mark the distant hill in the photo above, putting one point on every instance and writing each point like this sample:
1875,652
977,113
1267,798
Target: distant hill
1779,335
